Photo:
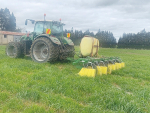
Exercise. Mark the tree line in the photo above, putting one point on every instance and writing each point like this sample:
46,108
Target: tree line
141,40
106,38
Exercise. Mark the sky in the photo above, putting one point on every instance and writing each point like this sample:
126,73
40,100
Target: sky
116,16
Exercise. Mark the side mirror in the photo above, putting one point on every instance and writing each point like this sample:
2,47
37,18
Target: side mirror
26,22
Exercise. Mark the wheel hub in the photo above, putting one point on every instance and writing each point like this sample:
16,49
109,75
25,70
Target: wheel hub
40,51
44,52
11,51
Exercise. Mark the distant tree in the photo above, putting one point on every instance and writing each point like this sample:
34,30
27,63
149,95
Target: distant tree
7,20
2,19
106,39
12,23
143,31
87,32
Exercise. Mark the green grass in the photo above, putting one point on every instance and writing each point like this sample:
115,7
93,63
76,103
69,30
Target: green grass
29,87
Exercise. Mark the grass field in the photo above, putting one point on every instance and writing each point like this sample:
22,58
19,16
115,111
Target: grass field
29,87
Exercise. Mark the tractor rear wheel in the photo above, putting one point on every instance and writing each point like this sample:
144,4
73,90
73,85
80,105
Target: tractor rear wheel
72,51
68,52
43,50
14,50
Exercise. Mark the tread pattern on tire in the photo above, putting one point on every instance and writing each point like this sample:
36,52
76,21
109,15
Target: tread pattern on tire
68,52
18,47
72,51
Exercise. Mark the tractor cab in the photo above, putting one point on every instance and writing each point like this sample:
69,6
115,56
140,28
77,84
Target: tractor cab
49,27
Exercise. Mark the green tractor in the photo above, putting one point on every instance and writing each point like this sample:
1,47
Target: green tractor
45,44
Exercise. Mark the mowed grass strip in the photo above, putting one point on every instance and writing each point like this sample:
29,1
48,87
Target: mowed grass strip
29,87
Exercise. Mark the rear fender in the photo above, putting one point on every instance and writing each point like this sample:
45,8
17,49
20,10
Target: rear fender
53,39
67,41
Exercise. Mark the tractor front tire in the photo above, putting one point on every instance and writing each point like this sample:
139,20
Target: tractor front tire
43,50
14,50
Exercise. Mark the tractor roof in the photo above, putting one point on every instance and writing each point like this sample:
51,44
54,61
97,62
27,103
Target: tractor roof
43,20
50,21
33,21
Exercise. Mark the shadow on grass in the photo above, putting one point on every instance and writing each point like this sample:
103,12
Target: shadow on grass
55,62
62,62
27,58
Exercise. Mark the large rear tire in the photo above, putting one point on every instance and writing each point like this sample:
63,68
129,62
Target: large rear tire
14,50
43,50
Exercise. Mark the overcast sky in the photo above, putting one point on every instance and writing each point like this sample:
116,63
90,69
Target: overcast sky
116,16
